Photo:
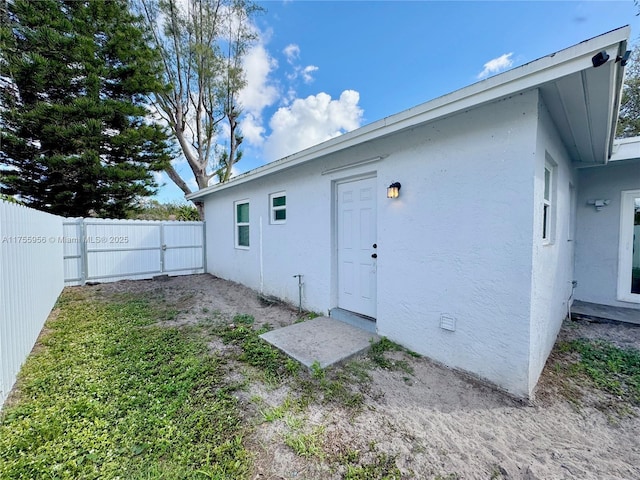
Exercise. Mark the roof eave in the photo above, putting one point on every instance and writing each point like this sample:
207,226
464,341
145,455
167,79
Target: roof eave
519,79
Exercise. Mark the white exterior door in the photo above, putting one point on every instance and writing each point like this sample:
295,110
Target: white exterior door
356,238
629,253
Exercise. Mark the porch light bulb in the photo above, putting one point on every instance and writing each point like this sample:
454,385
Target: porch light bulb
393,190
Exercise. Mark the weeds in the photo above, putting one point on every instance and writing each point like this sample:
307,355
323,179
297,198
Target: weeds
272,414
377,355
243,319
307,444
383,467
304,316
276,367
255,351
279,412
611,369
317,371
110,395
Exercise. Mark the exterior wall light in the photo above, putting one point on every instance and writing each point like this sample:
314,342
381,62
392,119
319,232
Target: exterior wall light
598,204
624,59
393,190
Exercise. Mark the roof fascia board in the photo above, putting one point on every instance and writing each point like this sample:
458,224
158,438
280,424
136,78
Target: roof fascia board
525,77
617,101
625,149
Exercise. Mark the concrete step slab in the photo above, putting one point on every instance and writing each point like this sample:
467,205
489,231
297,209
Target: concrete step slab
323,340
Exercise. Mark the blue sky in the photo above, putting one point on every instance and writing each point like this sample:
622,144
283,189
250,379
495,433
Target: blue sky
324,68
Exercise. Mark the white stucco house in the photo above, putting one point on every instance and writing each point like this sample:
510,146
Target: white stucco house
473,264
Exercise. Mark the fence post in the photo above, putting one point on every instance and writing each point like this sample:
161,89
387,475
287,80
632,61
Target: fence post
84,264
204,246
163,247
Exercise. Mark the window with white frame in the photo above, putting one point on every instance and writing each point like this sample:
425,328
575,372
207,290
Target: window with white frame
548,206
242,224
278,206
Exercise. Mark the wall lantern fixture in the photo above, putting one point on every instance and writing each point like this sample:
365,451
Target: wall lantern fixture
393,190
598,204
624,58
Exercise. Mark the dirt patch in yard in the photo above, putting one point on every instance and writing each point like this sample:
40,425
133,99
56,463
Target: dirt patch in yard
197,298
409,417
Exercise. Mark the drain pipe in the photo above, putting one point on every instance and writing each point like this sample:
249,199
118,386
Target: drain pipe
261,261
574,284
299,292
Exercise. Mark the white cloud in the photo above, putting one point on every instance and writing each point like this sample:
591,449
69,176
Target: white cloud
496,65
292,52
159,178
252,129
306,73
310,121
302,72
259,92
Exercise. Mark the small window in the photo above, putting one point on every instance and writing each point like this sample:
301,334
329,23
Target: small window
548,207
242,224
278,205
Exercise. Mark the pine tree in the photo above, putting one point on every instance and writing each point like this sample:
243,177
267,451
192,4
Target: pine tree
75,138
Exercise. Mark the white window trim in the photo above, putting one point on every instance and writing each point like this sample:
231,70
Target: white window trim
241,224
549,204
625,248
273,210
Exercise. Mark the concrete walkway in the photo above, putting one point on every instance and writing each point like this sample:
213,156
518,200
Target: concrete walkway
323,340
606,313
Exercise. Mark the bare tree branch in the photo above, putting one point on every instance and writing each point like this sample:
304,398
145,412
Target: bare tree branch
201,45
177,179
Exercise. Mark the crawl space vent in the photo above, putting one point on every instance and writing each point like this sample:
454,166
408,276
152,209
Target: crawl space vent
447,323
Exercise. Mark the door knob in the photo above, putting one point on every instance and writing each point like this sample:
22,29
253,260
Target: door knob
374,255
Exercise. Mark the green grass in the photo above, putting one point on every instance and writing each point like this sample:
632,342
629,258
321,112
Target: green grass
611,369
110,395
379,349
382,467
255,351
307,445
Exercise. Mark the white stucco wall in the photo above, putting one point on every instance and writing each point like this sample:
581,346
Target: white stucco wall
295,247
457,242
598,232
303,245
552,273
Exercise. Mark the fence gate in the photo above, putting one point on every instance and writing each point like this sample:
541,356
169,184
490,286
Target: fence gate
99,250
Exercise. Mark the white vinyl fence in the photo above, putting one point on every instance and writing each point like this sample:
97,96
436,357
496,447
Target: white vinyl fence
99,250
40,253
31,278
